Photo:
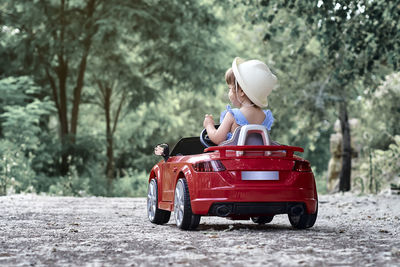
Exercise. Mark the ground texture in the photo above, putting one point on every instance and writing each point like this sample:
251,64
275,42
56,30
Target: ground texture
94,231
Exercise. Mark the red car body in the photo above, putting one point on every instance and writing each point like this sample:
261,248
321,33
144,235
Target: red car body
239,182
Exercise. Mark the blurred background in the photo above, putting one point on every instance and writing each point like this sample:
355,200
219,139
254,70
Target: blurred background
89,87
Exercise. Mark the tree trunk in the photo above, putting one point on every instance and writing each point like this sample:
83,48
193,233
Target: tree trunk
107,91
58,82
78,94
90,31
345,173
110,163
62,74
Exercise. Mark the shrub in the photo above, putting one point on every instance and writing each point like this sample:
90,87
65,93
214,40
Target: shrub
16,174
134,184
382,168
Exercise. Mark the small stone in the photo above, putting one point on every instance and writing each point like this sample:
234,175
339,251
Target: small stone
395,252
309,250
187,248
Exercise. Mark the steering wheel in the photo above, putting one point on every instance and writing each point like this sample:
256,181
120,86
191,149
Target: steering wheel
205,140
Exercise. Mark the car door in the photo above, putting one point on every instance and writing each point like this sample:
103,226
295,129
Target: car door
168,181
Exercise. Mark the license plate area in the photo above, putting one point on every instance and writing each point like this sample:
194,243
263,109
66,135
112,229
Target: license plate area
260,175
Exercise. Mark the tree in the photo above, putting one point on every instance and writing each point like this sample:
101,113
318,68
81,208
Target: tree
173,45
57,41
355,38
22,117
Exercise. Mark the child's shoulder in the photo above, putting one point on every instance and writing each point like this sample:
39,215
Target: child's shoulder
269,119
267,112
236,113
230,109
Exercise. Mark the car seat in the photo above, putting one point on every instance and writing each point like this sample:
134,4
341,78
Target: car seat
249,135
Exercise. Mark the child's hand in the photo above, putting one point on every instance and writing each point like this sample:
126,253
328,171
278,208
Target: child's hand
159,150
208,120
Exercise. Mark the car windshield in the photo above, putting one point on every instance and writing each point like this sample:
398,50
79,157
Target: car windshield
188,146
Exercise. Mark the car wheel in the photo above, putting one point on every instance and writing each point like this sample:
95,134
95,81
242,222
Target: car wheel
155,215
184,217
262,219
303,221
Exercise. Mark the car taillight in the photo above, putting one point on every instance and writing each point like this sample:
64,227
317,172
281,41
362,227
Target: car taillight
209,166
302,166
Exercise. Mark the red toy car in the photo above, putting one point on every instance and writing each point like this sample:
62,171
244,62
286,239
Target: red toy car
234,181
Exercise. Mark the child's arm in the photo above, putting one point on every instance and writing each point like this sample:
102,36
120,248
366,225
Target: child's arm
218,135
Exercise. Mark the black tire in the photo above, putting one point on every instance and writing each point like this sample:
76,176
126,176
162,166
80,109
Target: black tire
155,215
262,219
303,221
194,222
184,217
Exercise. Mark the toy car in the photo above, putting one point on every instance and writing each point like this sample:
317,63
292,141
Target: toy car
240,181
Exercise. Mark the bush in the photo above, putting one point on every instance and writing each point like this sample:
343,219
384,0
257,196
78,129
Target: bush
378,134
69,185
382,168
320,181
134,184
16,174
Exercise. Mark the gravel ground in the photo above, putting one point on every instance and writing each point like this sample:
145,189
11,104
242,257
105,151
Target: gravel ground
95,231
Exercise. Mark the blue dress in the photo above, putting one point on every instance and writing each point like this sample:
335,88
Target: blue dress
241,119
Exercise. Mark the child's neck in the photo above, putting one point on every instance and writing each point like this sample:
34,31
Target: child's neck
246,105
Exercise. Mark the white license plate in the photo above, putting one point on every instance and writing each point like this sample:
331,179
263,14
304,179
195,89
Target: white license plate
260,175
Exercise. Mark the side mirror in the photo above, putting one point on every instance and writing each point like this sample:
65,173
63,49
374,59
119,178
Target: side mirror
162,150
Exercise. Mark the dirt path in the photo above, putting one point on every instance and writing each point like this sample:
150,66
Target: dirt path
41,230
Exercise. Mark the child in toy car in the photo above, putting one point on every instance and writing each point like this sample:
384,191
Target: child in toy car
245,177
250,83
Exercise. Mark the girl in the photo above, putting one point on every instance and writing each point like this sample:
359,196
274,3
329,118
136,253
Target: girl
250,83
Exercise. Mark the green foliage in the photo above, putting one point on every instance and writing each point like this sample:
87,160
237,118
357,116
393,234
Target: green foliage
163,67
17,90
324,52
383,168
90,183
170,45
133,184
289,48
167,119
22,112
380,113
69,185
16,175
349,41
320,181
21,121
379,135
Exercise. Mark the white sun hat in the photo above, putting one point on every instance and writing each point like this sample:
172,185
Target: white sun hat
255,79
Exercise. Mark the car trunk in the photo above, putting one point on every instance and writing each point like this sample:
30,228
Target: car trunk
259,165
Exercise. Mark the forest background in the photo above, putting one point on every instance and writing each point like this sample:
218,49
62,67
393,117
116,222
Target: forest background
88,88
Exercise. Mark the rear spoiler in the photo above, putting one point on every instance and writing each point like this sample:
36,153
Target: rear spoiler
222,149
